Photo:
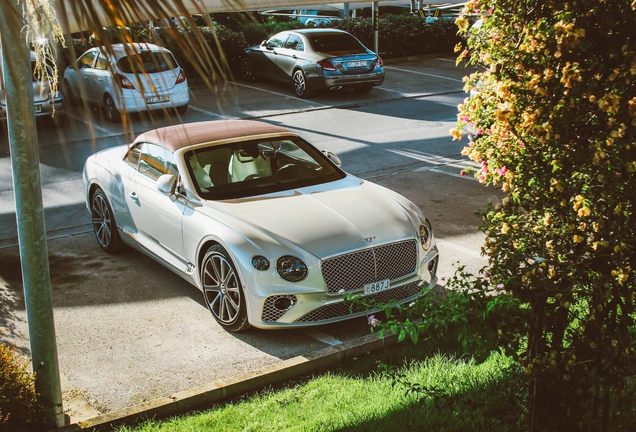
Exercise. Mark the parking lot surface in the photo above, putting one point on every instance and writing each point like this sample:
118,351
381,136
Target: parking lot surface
129,330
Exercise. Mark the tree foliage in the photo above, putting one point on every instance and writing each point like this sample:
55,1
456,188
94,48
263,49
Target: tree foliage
554,112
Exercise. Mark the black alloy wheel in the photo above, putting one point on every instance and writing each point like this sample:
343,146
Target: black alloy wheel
222,290
104,225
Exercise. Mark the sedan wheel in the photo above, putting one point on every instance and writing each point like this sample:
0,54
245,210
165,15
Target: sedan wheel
104,224
300,84
222,290
111,109
246,70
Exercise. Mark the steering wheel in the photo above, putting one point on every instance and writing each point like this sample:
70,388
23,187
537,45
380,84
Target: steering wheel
286,167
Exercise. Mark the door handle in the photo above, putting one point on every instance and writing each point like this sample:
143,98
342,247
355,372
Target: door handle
133,196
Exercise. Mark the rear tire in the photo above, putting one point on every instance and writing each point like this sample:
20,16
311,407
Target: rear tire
223,291
104,225
112,114
182,109
300,84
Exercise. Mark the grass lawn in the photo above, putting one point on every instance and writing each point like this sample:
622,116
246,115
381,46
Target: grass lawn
374,394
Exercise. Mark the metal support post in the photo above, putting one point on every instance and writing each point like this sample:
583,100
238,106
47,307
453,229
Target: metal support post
27,188
376,25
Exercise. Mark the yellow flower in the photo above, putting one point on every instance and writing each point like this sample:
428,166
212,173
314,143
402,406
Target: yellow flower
549,244
456,134
578,239
505,228
585,211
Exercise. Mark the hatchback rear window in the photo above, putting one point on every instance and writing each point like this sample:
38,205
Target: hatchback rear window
152,62
336,42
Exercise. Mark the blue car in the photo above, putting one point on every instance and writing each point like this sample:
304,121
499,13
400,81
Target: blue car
314,59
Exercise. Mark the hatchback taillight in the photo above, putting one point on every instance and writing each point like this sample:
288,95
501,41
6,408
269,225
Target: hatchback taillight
123,82
379,63
326,65
181,78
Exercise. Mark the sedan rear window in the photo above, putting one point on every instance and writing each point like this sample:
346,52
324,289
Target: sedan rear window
336,42
149,62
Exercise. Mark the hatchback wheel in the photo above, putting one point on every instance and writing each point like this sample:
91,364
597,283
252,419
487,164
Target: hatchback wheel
222,290
300,84
246,70
111,109
104,225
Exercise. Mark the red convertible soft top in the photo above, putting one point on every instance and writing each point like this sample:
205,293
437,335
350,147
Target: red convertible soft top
179,136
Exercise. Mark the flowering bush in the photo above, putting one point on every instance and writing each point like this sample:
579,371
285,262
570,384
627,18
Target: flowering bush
555,108
19,408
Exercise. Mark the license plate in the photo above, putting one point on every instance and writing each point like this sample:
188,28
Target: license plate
356,64
157,99
38,108
376,287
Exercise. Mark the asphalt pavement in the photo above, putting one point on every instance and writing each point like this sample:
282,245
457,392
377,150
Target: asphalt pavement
133,337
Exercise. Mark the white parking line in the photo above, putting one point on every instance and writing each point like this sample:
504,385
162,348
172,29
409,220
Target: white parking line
93,125
424,73
322,337
210,113
276,93
470,252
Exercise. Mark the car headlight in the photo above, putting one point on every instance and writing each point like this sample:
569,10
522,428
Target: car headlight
260,262
291,269
426,233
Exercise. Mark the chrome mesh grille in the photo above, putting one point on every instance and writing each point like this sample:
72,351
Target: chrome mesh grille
271,313
344,308
351,271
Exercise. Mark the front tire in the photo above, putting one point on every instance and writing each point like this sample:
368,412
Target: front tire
247,73
104,225
222,291
112,114
300,84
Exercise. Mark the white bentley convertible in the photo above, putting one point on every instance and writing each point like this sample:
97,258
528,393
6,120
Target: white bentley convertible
269,228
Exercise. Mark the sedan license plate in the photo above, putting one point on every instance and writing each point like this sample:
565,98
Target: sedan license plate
38,108
356,64
157,99
376,287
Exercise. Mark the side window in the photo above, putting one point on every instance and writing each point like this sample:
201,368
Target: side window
101,63
294,43
86,61
277,41
155,161
132,157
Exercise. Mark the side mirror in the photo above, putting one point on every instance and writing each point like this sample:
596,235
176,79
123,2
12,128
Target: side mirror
264,43
333,158
167,184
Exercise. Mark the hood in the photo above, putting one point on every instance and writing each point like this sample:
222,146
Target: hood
327,219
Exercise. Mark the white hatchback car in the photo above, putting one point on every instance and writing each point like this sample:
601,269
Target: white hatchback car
117,83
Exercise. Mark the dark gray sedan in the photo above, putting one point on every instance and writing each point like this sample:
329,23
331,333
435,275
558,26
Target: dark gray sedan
314,59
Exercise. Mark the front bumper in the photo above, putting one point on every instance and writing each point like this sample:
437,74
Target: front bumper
310,309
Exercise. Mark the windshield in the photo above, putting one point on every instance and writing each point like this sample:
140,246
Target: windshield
336,43
257,167
152,62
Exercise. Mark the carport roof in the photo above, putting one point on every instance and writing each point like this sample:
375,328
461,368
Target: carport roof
179,136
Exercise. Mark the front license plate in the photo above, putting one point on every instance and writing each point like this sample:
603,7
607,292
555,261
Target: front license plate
376,287
157,99
38,108
356,64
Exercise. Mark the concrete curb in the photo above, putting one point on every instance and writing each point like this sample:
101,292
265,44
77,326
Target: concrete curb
218,391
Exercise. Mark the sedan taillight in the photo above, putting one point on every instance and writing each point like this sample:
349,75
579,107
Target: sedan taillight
181,78
123,82
326,65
